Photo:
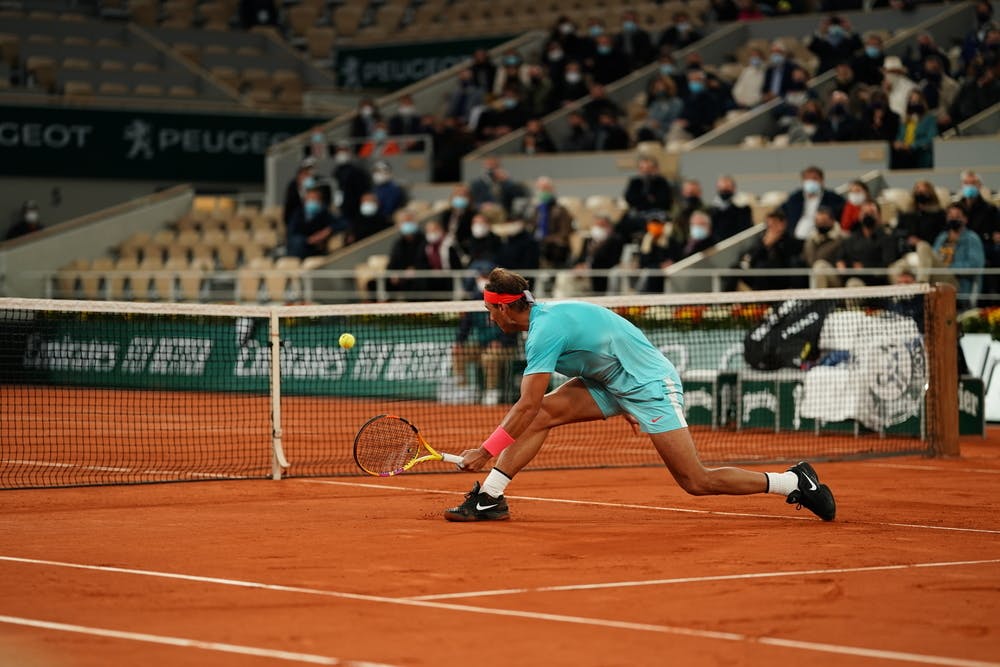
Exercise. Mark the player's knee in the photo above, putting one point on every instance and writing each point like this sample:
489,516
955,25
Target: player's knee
696,485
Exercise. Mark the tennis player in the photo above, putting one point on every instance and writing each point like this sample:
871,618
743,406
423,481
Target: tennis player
614,369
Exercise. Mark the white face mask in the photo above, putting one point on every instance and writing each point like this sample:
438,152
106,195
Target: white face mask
433,237
480,230
856,198
369,208
342,157
599,234
378,178
31,216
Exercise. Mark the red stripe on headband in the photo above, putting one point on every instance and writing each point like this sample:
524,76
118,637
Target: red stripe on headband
494,297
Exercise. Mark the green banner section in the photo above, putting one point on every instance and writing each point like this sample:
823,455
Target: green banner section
91,143
399,65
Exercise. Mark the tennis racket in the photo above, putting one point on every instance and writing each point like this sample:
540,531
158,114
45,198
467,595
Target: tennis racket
388,445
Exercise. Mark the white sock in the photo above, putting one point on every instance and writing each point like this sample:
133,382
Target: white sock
495,483
782,483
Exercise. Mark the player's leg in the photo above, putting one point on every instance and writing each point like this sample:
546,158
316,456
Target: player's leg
677,450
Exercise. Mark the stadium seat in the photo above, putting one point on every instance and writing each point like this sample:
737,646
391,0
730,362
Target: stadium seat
192,281
43,69
181,91
227,255
78,64
300,19
93,279
347,20
284,279
319,43
120,277
10,48
78,90
148,90
68,277
239,236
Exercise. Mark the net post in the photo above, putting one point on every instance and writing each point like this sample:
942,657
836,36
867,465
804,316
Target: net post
942,381
278,461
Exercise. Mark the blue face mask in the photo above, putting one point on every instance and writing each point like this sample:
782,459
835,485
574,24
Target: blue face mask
604,49
595,31
629,26
509,102
511,61
811,186
308,183
699,233
312,208
755,62
379,135
459,202
777,59
873,51
667,69
318,138
970,191
696,86
408,228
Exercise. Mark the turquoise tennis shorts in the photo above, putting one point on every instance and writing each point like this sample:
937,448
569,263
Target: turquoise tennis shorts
657,406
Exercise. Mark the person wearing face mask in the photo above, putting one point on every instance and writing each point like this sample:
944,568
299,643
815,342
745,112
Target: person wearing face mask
554,60
466,97
442,255
407,122
801,206
380,144
496,186
407,254
774,249
749,85
728,217
510,75
633,42
482,70
520,247
778,74
601,249
974,39
481,245
310,227
390,195
914,145
701,109
553,224
608,63
700,234
353,180
319,145
29,222
983,219
897,84
679,34
647,194
857,194
938,88
305,179
456,219
840,124
805,127
572,86
364,120
867,64
820,250
878,121
833,42
958,247
869,246
370,220
581,136
916,231
689,202
660,247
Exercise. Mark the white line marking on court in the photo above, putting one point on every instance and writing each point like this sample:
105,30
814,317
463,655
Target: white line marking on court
539,616
698,580
185,643
656,508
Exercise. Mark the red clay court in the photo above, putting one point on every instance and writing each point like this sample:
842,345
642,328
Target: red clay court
597,567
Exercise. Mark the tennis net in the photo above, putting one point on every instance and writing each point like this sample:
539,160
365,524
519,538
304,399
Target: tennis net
120,393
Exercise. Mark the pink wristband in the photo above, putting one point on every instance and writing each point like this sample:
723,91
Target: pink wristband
498,441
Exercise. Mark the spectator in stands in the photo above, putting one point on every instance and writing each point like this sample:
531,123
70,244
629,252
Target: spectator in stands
305,179
897,84
554,60
648,194
536,139
975,39
680,34
456,219
573,85
660,247
509,75
466,97
748,10
689,202
391,195
482,244
258,12
804,128
602,249
923,49
451,140
311,226
958,247
379,144
407,254
609,135
914,145
725,10
442,254
857,194
495,185
801,206
667,66
701,109
979,91
600,103
363,122
29,221
564,33
844,82
588,41
318,147
482,70
663,107
728,217
982,218
878,121
821,249
538,98
633,42
778,74
581,136
553,225
370,219
917,230
869,245
406,120
796,95
353,180
749,85
520,249
867,65
700,235
833,42
938,88
511,114
775,249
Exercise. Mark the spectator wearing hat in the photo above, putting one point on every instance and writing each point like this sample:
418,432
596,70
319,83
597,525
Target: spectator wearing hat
897,84
29,222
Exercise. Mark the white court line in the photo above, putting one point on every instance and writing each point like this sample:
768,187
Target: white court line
698,580
184,642
819,647
657,508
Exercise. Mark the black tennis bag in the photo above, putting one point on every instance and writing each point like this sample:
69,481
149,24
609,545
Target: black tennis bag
788,337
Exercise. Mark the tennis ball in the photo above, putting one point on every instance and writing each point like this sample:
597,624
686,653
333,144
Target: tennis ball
346,341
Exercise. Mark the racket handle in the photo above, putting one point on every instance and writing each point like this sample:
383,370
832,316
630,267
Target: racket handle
451,458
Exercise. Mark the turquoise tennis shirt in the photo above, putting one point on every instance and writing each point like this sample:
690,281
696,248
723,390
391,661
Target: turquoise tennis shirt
580,339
